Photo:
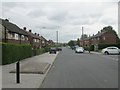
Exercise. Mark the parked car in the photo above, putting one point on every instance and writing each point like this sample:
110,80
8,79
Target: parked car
53,50
111,50
79,50
59,48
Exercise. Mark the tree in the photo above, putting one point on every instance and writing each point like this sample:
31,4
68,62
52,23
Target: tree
110,29
71,43
78,42
84,36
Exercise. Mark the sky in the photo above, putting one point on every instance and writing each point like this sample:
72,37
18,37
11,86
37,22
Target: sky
65,16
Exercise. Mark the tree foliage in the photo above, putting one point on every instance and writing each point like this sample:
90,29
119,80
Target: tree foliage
110,29
78,42
71,43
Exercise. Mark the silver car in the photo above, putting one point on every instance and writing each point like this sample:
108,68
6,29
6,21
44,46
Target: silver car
79,50
111,50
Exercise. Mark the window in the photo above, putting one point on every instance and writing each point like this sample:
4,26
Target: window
98,38
104,38
16,36
22,37
35,40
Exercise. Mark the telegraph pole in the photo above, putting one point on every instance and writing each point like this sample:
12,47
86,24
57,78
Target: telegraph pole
57,37
82,36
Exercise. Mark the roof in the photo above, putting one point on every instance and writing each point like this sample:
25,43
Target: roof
99,34
95,36
12,27
33,35
43,38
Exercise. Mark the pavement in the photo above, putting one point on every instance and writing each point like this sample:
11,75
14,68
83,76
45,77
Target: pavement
82,70
34,66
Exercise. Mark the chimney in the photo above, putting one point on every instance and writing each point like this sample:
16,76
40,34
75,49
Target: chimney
30,30
93,34
38,34
35,33
101,30
6,20
24,28
98,32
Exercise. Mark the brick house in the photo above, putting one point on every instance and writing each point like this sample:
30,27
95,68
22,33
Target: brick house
50,42
44,42
103,37
11,33
34,39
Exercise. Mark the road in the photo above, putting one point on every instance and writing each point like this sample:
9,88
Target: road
71,70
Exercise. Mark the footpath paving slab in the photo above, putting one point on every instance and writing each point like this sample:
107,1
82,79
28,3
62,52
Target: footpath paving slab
33,68
26,80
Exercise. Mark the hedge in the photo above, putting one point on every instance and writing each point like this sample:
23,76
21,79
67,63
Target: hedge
40,51
101,46
14,52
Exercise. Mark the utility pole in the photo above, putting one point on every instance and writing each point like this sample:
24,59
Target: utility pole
82,36
57,37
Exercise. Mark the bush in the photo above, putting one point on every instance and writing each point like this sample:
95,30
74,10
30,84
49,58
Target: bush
92,48
40,51
101,46
14,52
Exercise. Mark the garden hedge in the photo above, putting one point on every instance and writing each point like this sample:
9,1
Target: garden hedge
14,52
101,46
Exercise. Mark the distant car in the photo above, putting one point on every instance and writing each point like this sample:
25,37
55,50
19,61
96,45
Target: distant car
79,50
52,50
59,48
111,50
68,46
73,47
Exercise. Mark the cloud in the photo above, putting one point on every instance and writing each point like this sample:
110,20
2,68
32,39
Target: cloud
66,17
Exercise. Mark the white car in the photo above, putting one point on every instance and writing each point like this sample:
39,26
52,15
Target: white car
79,50
111,50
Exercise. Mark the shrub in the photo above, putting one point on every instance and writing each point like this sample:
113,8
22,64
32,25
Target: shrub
101,46
92,48
14,52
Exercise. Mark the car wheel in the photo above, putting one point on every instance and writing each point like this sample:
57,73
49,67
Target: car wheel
106,53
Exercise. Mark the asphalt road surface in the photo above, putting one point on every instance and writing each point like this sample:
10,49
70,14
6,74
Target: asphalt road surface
71,70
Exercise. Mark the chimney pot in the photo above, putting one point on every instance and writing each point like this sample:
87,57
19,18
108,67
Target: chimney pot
35,33
24,28
30,30
6,20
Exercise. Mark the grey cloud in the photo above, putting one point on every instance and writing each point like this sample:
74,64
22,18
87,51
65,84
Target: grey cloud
12,4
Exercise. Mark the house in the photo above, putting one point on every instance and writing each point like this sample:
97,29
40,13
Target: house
11,33
43,41
34,39
50,42
103,37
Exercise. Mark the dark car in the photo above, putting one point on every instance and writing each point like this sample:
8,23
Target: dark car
73,47
52,50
